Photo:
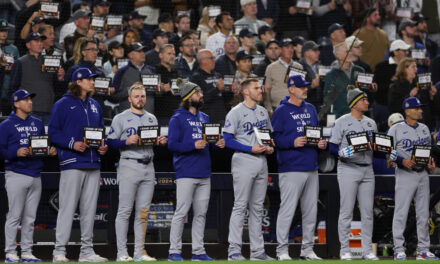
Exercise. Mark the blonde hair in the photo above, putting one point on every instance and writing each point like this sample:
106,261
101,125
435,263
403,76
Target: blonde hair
401,67
77,49
136,86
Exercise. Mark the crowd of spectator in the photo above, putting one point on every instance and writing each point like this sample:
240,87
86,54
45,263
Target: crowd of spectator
387,48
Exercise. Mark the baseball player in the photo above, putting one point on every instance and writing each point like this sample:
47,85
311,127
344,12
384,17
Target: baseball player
297,167
79,164
192,163
355,173
22,175
412,180
135,173
249,169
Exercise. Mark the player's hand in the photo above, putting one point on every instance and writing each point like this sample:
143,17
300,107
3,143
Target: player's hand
221,143
322,144
431,165
80,146
269,150
299,142
258,149
132,140
22,152
102,150
53,151
393,155
200,144
162,140
414,91
346,152
407,163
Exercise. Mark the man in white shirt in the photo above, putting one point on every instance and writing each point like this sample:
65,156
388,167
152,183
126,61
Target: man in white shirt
215,42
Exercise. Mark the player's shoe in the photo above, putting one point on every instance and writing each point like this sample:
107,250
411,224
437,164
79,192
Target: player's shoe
262,257
124,259
12,258
370,256
144,258
92,258
29,258
60,258
346,256
399,256
175,257
426,255
236,257
284,256
310,256
201,257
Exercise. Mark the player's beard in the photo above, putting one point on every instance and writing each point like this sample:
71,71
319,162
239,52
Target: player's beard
198,104
139,106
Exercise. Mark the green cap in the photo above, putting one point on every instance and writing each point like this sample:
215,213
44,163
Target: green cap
4,24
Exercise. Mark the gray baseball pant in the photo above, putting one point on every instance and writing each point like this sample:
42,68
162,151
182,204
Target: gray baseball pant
355,181
195,191
24,194
411,186
83,186
136,185
294,186
249,174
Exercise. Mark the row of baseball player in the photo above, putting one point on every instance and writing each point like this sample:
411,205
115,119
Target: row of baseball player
297,164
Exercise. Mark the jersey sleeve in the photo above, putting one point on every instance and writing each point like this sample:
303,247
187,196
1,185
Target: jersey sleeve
231,123
115,129
336,133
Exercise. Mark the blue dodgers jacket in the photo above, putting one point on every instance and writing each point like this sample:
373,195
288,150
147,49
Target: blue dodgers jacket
68,117
185,129
288,123
15,134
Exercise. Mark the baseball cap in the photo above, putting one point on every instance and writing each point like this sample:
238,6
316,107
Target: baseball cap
135,15
245,2
419,17
411,102
354,95
399,44
406,23
297,80
286,41
351,39
298,40
135,46
272,41
80,13
333,27
20,95
245,32
263,29
243,54
114,45
159,32
37,20
309,45
4,24
100,2
395,118
34,36
82,73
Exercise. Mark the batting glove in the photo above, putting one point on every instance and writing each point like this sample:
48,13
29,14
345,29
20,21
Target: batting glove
393,155
346,152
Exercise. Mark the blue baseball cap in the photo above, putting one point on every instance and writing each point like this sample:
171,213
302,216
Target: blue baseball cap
411,102
20,95
297,80
82,73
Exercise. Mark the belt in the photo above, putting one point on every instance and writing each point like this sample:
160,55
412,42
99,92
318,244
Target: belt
145,161
250,153
358,164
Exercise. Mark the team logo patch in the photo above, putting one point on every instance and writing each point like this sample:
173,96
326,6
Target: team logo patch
369,125
407,105
15,98
261,113
150,120
79,75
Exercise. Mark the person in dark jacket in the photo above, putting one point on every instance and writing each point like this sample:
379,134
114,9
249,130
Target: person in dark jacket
186,62
225,64
272,52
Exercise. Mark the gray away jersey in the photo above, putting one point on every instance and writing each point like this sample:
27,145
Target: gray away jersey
126,124
406,136
241,120
346,125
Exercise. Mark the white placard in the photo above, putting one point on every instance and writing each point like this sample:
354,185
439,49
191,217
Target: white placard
323,70
258,58
425,78
49,7
359,140
313,133
114,20
164,131
146,80
212,131
122,62
228,79
330,120
404,12
383,141
214,11
363,78
295,71
98,62
52,62
422,153
98,22
418,54
39,143
303,4
9,58
149,133
99,83
97,135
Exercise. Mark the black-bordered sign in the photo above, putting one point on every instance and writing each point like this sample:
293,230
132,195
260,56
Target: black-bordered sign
93,136
364,81
424,81
102,85
359,141
114,22
50,10
313,135
211,132
97,24
148,135
421,154
151,82
51,63
382,142
39,145
264,137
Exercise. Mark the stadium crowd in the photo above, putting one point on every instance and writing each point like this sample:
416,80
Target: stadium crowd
230,60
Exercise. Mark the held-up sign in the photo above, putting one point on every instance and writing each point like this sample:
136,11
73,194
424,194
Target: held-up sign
164,131
98,62
257,59
50,10
102,85
424,81
148,135
9,61
211,132
39,145
121,62
382,142
404,12
294,71
419,55
93,136
359,141
214,11
323,70
228,80
174,88
313,135
421,155
51,63
263,137
364,81
114,22
151,82
304,6
97,24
